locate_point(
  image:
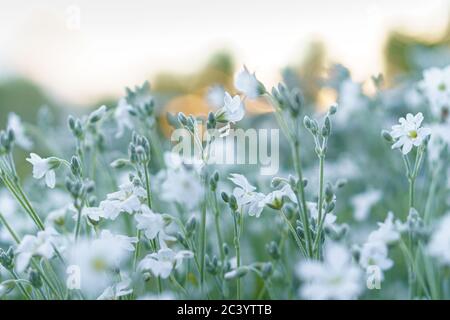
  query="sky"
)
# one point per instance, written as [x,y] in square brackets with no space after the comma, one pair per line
[82,50]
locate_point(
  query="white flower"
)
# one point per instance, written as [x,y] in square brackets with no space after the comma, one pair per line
[97,259]
[16,125]
[123,242]
[387,231]
[114,292]
[163,262]
[128,199]
[375,254]
[436,87]
[233,108]
[249,201]
[44,167]
[40,245]
[439,245]
[337,277]
[409,133]
[122,117]
[247,83]
[215,96]
[181,186]
[153,224]
[363,202]
[19,221]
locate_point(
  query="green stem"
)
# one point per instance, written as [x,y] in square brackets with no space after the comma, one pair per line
[21,287]
[203,236]
[238,253]
[218,232]
[294,233]
[300,193]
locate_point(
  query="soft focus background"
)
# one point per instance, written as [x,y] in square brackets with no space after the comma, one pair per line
[81,53]
[74,56]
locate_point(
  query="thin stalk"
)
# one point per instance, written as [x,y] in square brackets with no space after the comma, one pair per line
[217,224]
[238,254]
[294,233]
[300,193]
[203,237]
[21,287]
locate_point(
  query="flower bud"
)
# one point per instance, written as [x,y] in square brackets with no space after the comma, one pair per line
[225,197]
[119,163]
[273,250]
[97,115]
[237,273]
[35,279]
[387,136]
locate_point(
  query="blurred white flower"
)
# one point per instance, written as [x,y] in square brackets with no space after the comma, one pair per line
[41,245]
[215,96]
[409,132]
[44,167]
[122,117]
[249,201]
[233,109]
[436,87]
[16,125]
[351,99]
[20,222]
[439,245]
[387,231]
[375,254]
[363,203]
[128,199]
[162,263]
[181,186]
[152,224]
[98,259]
[336,277]
[440,137]
[114,292]
[123,242]
[247,83]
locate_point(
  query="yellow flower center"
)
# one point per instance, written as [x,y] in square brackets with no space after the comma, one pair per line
[413,134]
[442,87]
[98,264]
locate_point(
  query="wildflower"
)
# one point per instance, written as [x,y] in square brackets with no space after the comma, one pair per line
[128,199]
[97,259]
[164,261]
[233,109]
[439,245]
[436,87]
[375,254]
[114,292]
[40,245]
[215,96]
[387,231]
[247,83]
[15,124]
[337,277]
[122,117]
[44,167]
[249,201]
[152,223]
[409,132]
[363,202]
[182,186]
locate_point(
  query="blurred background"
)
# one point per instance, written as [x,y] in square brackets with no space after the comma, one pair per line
[75,54]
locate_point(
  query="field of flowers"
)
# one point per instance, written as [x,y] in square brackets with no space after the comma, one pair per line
[357,210]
